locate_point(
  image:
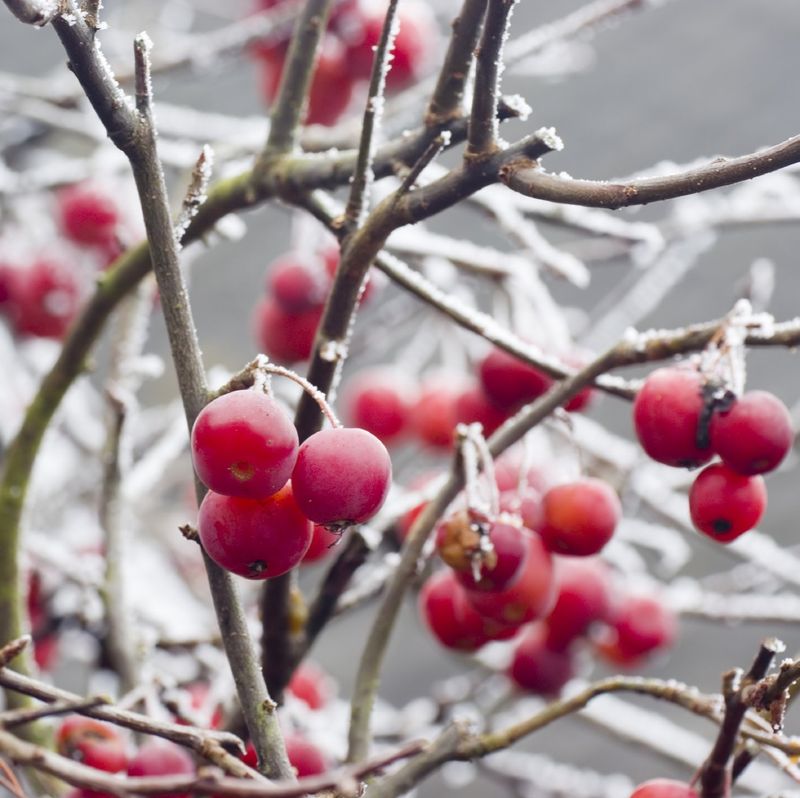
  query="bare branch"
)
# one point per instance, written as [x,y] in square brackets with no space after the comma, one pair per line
[32,12]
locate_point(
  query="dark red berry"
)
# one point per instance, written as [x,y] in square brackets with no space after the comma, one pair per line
[664,788]
[724,503]
[380,402]
[244,444]
[287,337]
[162,758]
[666,415]
[44,299]
[323,543]
[473,406]
[754,434]
[579,517]
[88,216]
[583,597]
[530,595]
[297,282]
[305,757]
[640,626]
[342,476]
[255,538]
[509,382]
[537,666]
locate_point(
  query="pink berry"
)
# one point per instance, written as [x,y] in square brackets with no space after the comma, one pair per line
[666,415]
[287,337]
[434,417]
[162,758]
[255,538]
[244,444]
[311,685]
[664,788]
[380,402]
[754,434]
[297,283]
[342,476]
[305,757]
[44,299]
[725,504]
[580,517]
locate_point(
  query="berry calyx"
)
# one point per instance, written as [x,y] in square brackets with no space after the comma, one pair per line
[244,444]
[724,503]
[754,434]
[342,476]
[579,517]
[254,538]
[666,416]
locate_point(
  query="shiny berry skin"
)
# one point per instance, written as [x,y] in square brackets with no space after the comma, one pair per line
[664,788]
[305,757]
[297,283]
[458,542]
[380,402]
[531,594]
[754,434]
[583,597]
[579,517]
[537,667]
[254,538]
[472,405]
[287,337]
[244,444]
[509,382]
[725,504]
[342,476]
[44,299]
[323,543]
[666,416]
[88,216]
[640,626]
[162,758]
[311,685]
[93,743]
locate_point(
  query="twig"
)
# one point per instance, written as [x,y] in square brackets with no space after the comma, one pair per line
[296,79]
[363,175]
[18,717]
[447,99]
[535,182]
[482,137]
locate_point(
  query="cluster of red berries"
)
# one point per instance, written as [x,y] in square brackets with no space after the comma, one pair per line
[388,403]
[265,489]
[683,420]
[297,284]
[103,747]
[42,299]
[507,579]
[347,51]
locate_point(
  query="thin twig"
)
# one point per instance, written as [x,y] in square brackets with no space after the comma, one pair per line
[18,717]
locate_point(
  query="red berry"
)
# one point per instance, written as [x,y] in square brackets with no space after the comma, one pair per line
[664,788]
[525,504]
[323,542]
[287,337]
[88,216]
[380,402]
[244,444]
[162,758]
[509,382]
[305,757]
[666,415]
[537,666]
[93,743]
[311,684]
[44,299]
[579,517]
[255,538]
[297,283]
[472,405]
[724,503]
[583,596]
[640,626]
[46,652]
[434,415]
[754,434]
[342,476]
[531,594]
